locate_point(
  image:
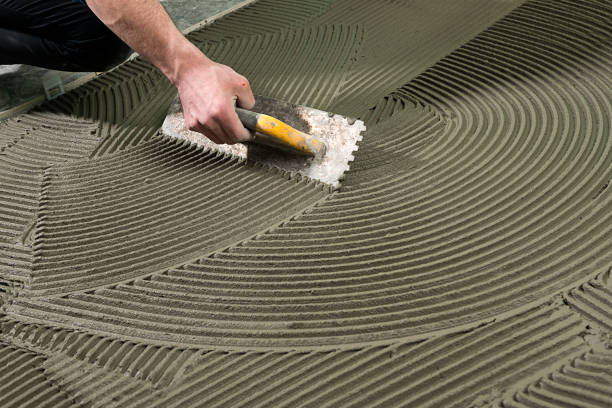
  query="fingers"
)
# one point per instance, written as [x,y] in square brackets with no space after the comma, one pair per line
[228,126]
[232,125]
[245,99]
[222,126]
[211,131]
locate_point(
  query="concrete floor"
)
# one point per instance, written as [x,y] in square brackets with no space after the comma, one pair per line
[22,83]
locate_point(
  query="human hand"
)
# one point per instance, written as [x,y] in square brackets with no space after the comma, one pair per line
[209,92]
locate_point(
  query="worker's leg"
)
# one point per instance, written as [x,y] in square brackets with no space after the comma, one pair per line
[57,34]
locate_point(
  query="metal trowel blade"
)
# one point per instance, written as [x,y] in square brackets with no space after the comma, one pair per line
[341,135]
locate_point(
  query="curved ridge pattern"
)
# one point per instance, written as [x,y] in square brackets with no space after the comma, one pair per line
[594,300]
[398,374]
[96,387]
[306,66]
[424,374]
[32,142]
[140,125]
[585,382]
[157,365]
[466,254]
[261,17]
[398,46]
[128,105]
[396,102]
[41,140]
[112,97]
[460,235]
[23,383]
[150,208]
[387,107]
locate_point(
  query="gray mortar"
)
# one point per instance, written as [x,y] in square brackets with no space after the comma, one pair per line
[465,261]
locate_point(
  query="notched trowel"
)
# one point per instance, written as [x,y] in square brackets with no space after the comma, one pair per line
[314,143]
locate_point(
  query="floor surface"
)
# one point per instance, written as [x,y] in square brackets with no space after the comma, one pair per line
[464,261]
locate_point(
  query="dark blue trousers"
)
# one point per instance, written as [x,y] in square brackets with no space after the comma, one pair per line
[57,34]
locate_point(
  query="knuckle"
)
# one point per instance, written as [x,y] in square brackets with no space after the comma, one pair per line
[215,111]
[192,124]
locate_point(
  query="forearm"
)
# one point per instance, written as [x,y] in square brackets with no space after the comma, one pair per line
[208,90]
[146,27]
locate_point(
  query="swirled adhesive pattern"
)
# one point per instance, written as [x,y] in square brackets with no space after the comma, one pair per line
[464,261]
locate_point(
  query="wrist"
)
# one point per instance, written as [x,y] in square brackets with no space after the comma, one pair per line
[183,61]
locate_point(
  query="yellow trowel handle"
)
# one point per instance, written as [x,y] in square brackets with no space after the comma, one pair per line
[281,133]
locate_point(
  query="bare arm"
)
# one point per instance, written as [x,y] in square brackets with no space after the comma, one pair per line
[208,90]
